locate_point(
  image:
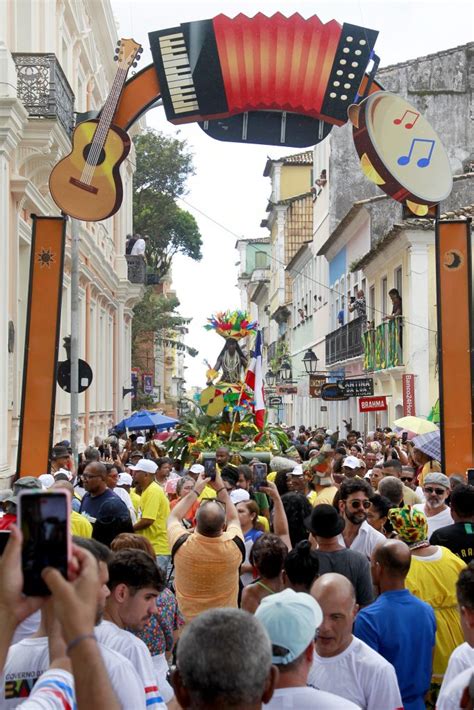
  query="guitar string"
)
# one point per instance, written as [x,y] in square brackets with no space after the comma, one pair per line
[104,122]
[102,130]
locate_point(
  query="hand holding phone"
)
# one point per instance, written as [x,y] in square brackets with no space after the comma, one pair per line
[44,521]
[210,468]
[259,475]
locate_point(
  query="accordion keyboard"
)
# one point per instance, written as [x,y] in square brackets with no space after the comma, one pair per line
[178,73]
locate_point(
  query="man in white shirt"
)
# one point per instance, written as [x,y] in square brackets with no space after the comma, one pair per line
[436,490]
[139,247]
[461,663]
[113,478]
[291,620]
[354,503]
[342,663]
[134,583]
[29,659]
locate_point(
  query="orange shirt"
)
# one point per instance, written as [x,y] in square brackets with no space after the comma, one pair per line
[191,514]
[206,570]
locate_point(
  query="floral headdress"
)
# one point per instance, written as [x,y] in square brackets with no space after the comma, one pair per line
[232,324]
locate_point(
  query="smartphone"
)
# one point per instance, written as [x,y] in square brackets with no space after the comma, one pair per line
[210,468]
[404,437]
[260,471]
[470,476]
[4,538]
[44,521]
[393,441]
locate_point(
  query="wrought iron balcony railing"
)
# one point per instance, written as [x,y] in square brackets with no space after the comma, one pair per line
[136,270]
[345,342]
[44,89]
[383,345]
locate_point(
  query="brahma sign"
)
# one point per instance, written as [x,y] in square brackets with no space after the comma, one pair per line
[372,404]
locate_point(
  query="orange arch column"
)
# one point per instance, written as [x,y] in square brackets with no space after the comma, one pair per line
[139,94]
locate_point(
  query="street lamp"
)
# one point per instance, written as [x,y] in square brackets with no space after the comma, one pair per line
[310,361]
[285,372]
[270,378]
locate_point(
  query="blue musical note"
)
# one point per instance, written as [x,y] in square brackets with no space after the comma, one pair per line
[421,162]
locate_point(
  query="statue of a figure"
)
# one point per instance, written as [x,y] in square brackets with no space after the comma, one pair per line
[231,361]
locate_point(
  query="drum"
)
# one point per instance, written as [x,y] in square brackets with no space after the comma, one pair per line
[400,151]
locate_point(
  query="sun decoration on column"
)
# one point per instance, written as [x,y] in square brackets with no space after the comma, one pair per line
[46,258]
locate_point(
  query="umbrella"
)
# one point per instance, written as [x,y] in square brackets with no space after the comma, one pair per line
[146,420]
[429,443]
[415,424]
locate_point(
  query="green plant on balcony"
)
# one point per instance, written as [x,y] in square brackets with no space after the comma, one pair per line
[282,354]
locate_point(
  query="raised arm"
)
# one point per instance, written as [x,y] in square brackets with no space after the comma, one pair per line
[185,504]
[280,521]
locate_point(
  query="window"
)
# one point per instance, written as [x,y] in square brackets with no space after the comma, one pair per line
[261,260]
[384,296]
[397,279]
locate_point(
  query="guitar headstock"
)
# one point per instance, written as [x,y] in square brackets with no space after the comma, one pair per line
[127,53]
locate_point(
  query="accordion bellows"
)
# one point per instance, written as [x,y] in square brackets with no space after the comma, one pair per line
[276,62]
[227,66]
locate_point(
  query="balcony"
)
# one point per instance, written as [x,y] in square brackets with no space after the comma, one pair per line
[136,269]
[383,346]
[43,88]
[345,342]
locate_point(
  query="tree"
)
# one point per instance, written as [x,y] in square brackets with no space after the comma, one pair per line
[163,166]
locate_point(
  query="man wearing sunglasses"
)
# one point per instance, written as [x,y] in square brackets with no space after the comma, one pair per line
[436,490]
[354,503]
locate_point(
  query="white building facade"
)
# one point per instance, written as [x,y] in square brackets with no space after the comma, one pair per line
[55,59]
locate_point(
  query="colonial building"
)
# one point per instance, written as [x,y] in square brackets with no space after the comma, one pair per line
[57,59]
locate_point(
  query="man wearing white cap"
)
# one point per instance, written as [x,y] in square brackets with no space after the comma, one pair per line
[291,619]
[153,511]
[352,467]
[113,484]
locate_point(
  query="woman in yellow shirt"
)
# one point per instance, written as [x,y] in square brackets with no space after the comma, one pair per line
[433,574]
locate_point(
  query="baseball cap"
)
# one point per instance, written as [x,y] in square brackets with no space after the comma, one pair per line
[352,462]
[59,452]
[239,495]
[437,479]
[290,619]
[46,480]
[196,468]
[141,440]
[145,465]
[297,471]
[124,479]
[66,472]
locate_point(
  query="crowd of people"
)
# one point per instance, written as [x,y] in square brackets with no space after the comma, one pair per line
[344,580]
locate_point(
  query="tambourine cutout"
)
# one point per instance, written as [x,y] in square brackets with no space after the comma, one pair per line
[400,151]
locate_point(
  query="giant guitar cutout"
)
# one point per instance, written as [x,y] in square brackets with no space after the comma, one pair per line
[86,183]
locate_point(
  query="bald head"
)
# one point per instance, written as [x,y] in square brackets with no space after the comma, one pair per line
[336,597]
[333,584]
[97,469]
[63,485]
[394,558]
[210,519]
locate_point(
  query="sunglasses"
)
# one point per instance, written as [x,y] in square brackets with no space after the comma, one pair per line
[406,479]
[438,491]
[359,504]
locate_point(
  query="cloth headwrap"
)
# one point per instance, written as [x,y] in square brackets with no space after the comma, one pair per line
[410,524]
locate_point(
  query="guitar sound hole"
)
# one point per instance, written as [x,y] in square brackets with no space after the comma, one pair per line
[86,152]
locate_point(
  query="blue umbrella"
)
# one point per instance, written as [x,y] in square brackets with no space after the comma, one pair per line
[146,420]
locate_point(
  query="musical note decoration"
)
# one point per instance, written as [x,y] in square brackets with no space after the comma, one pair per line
[421,162]
[408,124]
[415,172]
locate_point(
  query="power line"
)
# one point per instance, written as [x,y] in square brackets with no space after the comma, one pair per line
[294,271]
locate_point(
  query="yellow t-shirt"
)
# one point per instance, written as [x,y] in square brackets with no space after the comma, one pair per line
[208,492]
[434,581]
[271,476]
[206,570]
[80,526]
[135,498]
[154,505]
[326,495]
[312,496]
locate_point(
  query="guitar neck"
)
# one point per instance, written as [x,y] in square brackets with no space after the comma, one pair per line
[107,115]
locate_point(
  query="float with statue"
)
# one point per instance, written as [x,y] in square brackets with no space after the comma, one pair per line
[231,410]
